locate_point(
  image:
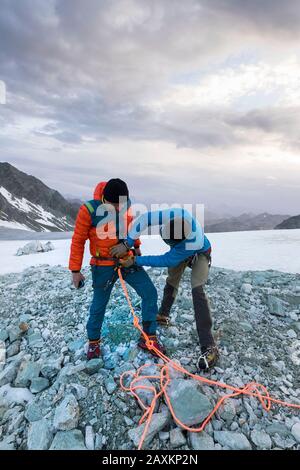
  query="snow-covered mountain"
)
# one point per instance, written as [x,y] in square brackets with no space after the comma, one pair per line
[27,203]
[290,223]
[246,222]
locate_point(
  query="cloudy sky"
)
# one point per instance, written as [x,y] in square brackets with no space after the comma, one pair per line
[189,101]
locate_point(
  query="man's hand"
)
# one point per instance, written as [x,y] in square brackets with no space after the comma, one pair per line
[118,250]
[77,277]
[138,252]
[127,262]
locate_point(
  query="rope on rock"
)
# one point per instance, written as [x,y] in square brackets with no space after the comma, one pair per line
[251,389]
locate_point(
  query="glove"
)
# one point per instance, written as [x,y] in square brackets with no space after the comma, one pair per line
[127,262]
[78,279]
[118,250]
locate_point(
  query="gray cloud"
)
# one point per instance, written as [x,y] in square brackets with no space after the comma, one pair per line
[283,122]
[86,70]
[89,67]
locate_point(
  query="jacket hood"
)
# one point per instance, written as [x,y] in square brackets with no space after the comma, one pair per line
[98,192]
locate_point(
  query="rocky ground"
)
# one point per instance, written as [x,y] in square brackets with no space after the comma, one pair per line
[50,397]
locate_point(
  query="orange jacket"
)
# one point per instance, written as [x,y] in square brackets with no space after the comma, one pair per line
[84,230]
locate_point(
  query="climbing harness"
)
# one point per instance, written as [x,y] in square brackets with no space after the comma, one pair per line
[251,389]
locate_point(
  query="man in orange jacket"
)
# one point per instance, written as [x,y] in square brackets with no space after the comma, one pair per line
[104,221]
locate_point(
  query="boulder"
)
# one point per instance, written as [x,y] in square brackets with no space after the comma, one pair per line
[177,438]
[158,422]
[19,396]
[39,384]
[201,441]
[34,247]
[9,374]
[68,440]
[276,306]
[296,432]
[66,414]
[190,405]
[233,440]
[261,439]
[27,372]
[39,435]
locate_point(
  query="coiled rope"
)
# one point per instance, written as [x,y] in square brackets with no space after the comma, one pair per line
[252,389]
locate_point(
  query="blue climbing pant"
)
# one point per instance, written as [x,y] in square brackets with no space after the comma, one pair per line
[104,278]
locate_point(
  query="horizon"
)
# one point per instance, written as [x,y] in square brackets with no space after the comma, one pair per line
[212,216]
[165,95]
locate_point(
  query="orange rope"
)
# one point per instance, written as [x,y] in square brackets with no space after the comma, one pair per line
[251,389]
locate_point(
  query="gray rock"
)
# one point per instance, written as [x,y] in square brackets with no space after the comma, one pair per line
[278,428]
[76,345]
[163,436]
[9,374]
[13,349]
[261,439]
[4,335]
[13,395]
[35,340]
[8,443]
[93,366]
[39,435]
[201,441]
[110,385]
[227,411]
[48,247]
[39,384]
[246,326]
[177,438]
[232,440]
[296,432]
[145,395]
[14,333]
[33,412]
[66,414]
[246,288]
[283,442]
[158,422]
[189,404]
[98,442]
[78,390]
[51,367]
[27,372]
[276,306]
[291,334]
[89,438]
[68,440]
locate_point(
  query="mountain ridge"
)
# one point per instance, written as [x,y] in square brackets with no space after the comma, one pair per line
[289,223]
[28,203]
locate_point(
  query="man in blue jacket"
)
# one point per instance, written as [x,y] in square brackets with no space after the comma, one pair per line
[189,247]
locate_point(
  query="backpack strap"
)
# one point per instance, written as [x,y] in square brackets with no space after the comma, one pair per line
[90,207]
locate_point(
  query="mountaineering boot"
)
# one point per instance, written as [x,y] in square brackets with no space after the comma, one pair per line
[142,344]
[166,305]
[208,358]
[93,350]
[163,320]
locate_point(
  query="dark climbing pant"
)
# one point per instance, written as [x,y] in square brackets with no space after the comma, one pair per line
[200,271]
[104,278]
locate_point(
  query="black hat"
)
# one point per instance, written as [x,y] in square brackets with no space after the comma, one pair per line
[114,189]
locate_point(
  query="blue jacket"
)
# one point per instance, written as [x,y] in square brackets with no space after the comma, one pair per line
[196,242]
